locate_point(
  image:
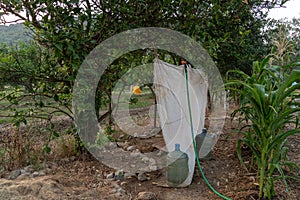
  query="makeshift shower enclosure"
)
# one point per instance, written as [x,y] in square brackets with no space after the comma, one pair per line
[172,102]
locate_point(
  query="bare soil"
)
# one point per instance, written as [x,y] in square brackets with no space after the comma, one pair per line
[83,177]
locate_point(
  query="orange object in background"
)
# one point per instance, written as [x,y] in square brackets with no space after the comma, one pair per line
[183,62]
[137,90]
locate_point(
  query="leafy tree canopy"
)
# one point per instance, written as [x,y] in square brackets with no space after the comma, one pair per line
[229,30]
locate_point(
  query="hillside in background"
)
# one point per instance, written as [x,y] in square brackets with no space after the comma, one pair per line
[13,33]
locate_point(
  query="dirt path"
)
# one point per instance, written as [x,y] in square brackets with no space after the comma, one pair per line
[84,177]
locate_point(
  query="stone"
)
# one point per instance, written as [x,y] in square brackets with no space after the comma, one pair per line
[146,196]
[131,148]
[142,177]
[119,177]
[121,191]
[35,174]
[14,174]
[23,176]
[110,175]
[42,173]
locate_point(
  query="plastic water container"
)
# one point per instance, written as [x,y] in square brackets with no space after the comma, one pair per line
[177,169]
[204,143]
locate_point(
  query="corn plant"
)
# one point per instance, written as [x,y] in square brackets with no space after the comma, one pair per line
[267,105]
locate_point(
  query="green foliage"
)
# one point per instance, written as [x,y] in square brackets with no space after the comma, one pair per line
[267,105]
[34,85]
[73,28]
[229,30]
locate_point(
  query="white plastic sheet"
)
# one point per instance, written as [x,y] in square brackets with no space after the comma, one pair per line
[171,94]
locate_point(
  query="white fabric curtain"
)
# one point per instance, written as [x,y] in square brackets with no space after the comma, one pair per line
[171,94]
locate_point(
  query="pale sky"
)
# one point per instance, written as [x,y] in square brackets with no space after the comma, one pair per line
[292,10]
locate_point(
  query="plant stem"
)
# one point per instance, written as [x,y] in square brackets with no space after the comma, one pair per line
[262,174]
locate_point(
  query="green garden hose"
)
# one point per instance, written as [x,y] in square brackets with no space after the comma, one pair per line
[194,143]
